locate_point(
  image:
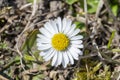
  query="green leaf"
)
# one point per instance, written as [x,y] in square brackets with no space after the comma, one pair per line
[80,25]
[110,40]
[30,1]
[39,77]
[92,5]
[31,38]
[70,2]
[3,45]
[29,58]
[97,67]
[114,9]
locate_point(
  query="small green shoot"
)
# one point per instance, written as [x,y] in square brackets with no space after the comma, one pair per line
[70,2]
[110,40]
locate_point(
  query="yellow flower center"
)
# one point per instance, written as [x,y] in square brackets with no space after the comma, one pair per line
[60,41]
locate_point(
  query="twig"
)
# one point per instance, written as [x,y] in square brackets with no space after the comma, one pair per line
[92,36]
[95,54]
[82,19]
[116,56]
[99,54]
[109,9]
[100,5]
[25,6]
[26,28]
[4,28]
[86,15]
[112,61]
[87,71]
[30,71]
[11,49]
[35,7]
[8,65]
[3,78]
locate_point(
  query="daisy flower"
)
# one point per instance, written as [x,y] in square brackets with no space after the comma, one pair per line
[60,42]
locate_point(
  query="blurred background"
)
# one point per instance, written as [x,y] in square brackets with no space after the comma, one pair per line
[98,20]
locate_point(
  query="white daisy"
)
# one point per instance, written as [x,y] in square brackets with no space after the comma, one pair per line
[59,40]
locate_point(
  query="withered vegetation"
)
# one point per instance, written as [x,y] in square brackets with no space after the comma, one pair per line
[99,24]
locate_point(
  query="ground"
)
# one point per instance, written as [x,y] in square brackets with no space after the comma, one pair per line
[98,20]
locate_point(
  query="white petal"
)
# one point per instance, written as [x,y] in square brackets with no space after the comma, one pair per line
[59,58]
[75,32]
[73,54]
[59,24]
[39,44]
[64,24]
[77,50]
[63,63]
[43,41]
[42,37]
[77,42]
[77,46]
[71,30]
[45,32]
[48,56]
[66,59]
[46,26]
[76,37]
[70,58]
[43,47]
[54,60]
[42,53]
[51,27]
[80,52]
[54,25]
[68,26]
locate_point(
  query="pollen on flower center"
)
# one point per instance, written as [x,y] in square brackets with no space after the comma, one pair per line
[60,41]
